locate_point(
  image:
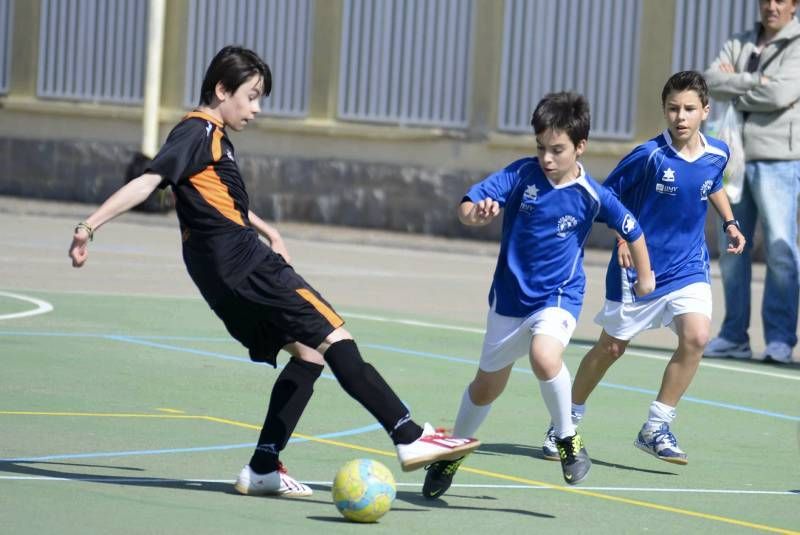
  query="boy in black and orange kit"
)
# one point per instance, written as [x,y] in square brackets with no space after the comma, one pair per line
[251,286]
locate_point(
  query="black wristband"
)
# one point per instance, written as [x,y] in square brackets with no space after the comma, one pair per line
[730,222]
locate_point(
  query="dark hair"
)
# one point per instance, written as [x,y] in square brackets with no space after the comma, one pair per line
[686,81]
[565,111]
[232,66]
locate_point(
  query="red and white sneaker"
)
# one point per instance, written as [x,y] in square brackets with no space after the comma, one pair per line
[433,446]
[277,483]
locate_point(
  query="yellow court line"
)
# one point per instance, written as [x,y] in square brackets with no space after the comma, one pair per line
[171,411]
[101,414]
[496,475]
[573,490]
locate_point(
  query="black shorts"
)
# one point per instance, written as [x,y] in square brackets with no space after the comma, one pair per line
[274,306]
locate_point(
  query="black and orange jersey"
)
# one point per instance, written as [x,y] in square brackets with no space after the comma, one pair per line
[219,245]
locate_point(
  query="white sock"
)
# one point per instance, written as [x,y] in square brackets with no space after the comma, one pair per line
[470,416]
[557,395]
[660,413]
[577,413]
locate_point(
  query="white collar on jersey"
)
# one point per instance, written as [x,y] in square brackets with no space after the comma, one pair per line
[581,175]
[703,141]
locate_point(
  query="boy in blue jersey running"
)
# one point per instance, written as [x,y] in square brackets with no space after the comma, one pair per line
[549,205]
[667,183]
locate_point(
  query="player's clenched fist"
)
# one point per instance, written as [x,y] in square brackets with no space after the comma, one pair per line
[78,250]
[487,209]
[478,213]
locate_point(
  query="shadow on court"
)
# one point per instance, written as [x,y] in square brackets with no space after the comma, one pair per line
[414,499]
[536,452]
[423,504]
[35,469]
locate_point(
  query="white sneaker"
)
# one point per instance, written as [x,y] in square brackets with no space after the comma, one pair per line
[778,352]
[277,483]
[432,447]
[721,347]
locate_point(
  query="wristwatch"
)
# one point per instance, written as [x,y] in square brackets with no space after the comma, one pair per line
[730,222]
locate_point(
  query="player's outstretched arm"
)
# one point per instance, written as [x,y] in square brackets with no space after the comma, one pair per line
[736,240]
[271,234]
[645,278]
[125,198]
[477,214]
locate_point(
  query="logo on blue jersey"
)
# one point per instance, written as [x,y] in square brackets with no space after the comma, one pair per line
[229,154]
[705,189]
[529,196]
[666,189]
[531,193]
[566,223]
[628,224]
[669,175]
[209,126]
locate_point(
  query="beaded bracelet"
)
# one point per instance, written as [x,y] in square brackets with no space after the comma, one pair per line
[85,226]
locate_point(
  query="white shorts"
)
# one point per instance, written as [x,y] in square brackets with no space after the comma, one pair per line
[623,321]
[507,339]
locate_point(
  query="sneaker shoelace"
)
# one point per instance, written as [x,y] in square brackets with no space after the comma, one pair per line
[569,452]
[664,435]
[447,468]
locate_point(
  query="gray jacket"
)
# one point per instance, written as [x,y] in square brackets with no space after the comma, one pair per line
[772,125]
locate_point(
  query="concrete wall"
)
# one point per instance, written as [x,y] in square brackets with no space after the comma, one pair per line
[316,169]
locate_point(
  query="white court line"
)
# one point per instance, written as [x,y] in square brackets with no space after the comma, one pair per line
[634,352]
[413,323]
[454,485]
[42,307]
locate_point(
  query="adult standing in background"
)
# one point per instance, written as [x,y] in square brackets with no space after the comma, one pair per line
[760,71]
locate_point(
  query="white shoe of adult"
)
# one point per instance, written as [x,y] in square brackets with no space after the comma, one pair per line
[433,446]
[277,483]
[778,352]
[721,347]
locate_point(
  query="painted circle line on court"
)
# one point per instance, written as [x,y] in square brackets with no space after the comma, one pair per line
[42,307]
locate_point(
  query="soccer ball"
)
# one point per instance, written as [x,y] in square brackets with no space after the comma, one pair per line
[363,490]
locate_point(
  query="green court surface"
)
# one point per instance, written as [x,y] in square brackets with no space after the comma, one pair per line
[133,414]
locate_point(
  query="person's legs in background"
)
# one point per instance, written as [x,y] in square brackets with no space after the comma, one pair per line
[775,186]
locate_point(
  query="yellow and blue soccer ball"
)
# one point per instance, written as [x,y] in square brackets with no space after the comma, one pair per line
[363,490]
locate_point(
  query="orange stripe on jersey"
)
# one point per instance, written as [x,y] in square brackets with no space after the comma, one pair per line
[201,115]
[216,145]
[321,307]
[210,186]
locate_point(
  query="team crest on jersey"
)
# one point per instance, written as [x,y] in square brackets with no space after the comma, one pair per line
[209,126]
[669,175]
[566,223]
[229,154]
[628,224]
[705,189]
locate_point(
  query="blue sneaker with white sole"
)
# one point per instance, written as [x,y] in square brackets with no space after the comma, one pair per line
[660,443]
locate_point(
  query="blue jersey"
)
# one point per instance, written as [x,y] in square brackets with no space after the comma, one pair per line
[668,194]
[544,229]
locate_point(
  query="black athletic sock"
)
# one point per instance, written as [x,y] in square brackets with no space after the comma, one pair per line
[365,385]
[289,398]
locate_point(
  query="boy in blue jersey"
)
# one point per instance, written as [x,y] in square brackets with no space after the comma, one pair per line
[667,183]
[549,205]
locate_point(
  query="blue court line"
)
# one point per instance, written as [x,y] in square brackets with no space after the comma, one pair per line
[690,399]
[349,432]
[423,354]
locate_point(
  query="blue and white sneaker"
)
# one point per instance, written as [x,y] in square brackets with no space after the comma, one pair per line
[661,443]
[549,450]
